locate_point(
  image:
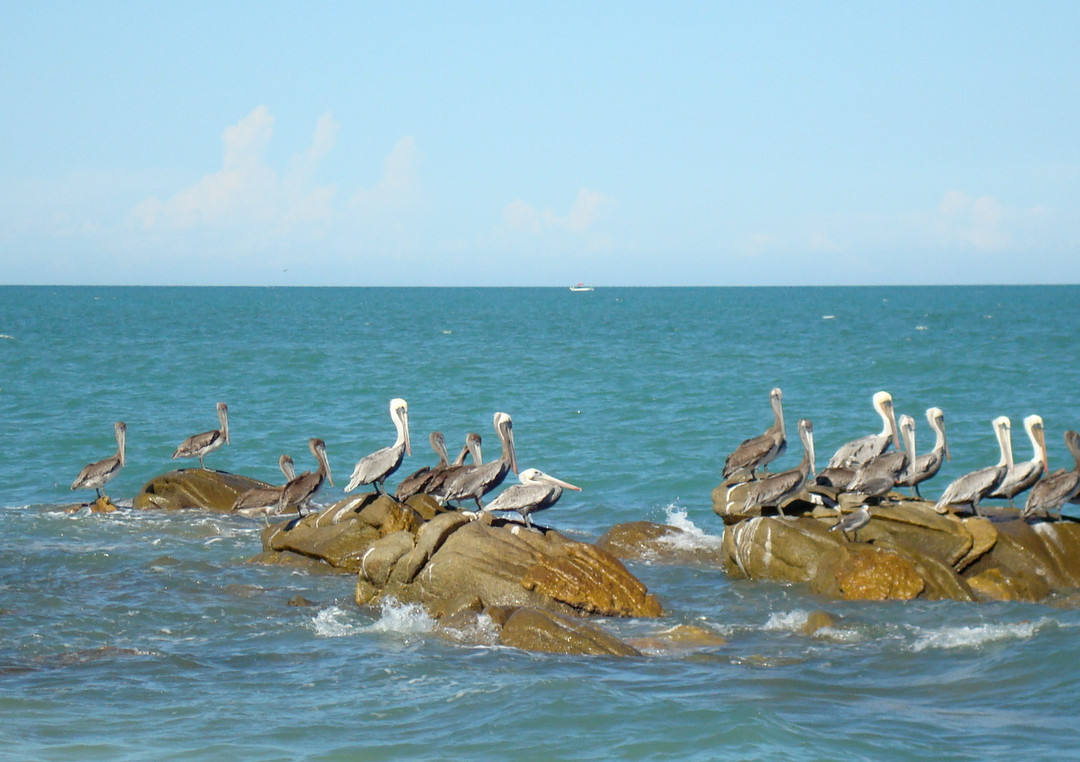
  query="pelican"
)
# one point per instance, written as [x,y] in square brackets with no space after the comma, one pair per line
[437,486]
[536,492]
[973,487]
[853,522]
[761,450]
[858,451]
[777,488]
[201,445]
[474,482]
[1058,488]
[374,468]
[1025,474]
[300,490]
[883,472]
[262,499]
[414,482]
[927,466]
[95,475]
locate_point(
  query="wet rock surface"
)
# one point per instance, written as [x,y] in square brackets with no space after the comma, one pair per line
[194,488]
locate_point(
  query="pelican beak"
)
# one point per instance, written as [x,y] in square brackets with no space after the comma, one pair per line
[561,483]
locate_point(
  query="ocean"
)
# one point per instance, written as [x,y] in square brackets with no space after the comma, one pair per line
[146,635]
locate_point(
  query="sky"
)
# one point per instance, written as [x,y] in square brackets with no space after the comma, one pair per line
[539,144]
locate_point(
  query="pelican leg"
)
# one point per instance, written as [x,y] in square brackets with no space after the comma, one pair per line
[480,505]
[528,521]
[915,489]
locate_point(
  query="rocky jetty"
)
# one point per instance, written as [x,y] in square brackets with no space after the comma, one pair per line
[906,550]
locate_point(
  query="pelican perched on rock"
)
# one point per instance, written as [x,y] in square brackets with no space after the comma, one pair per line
[776,489]
[95,475]
[373,469]
[201,445]
[1058,488]
[927,466]
[858,451]
[438,481]
[881,473]
[474,482]
[414,483]
[536,492]
[1025,474]
[300,490]
[761,450]
[971,488]
[262,499]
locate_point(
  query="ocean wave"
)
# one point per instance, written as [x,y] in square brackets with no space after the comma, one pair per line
[976,636]
[395,617]
[691,537]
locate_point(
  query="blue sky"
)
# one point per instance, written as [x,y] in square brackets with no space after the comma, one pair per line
[450,143]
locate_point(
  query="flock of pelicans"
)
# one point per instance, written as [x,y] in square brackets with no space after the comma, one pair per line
[864,467]
[445,481]
[867,468]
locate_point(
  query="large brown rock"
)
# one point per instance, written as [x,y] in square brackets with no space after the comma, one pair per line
[194,488]
[539,630]
[908,550]
[396,553]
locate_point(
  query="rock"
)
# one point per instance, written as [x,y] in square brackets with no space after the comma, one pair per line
[300,601]
[294,561]
[538,630]
[679,639]
[194,488]
[436,562]
[819,620]
[661,543]
[102,505]
[874,574]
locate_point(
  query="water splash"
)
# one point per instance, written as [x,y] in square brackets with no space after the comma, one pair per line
[691,537]
[976,636]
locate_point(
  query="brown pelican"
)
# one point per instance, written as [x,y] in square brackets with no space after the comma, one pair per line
[926,466]
[300,490]
[774,490]
[880,474]
[1058,488]
[476,481]
[853,522]
[973,487]
[414,483]
[437,485]
[95,475]
[263,499]
[858,451]
[536,492]
[201,445]
[1025,474]
[761,450]
[374,468]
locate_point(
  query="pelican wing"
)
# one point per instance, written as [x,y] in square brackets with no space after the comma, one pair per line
[770,490]
[859,451]
[199,443]
[377,466]
[972,486]
[754,453]
[526,498]
[96,474]
[1024,476]
[1052,492]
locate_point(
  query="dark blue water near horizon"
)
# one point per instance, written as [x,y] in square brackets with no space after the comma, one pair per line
[138,635]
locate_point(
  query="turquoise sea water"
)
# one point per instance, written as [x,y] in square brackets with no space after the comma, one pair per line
[146,635]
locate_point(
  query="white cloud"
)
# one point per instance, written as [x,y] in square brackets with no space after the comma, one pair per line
[522,222]
[974,223]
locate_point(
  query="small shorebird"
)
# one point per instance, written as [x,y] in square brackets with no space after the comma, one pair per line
[853,522]
[95,475]
[201,445]
[374,468]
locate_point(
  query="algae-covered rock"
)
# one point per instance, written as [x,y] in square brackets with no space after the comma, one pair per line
[194,488]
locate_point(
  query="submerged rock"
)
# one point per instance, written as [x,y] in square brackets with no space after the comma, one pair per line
[661,543]
[194,488]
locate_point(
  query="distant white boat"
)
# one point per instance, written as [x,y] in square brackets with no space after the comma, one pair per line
[581,287]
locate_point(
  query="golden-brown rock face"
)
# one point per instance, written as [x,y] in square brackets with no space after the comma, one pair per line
[396,553]
[907,550]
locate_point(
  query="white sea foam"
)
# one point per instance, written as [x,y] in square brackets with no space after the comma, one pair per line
[976,636]
[334,622]
[691,537]
[405,618]
[787,621]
